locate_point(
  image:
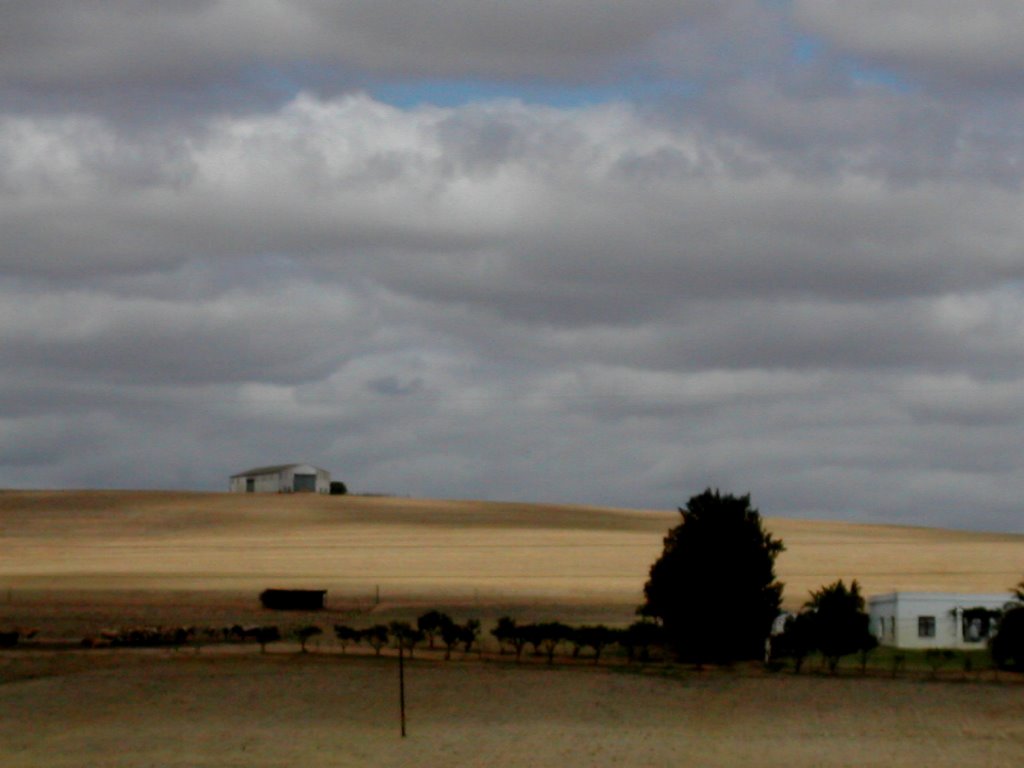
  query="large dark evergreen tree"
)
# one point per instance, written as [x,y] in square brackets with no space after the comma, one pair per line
[714,586]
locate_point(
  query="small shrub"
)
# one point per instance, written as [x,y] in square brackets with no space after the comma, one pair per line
[639,638]
[376,637]
[451,635]
[1007,646]
[470,633]
[551,634]
[899,661]
[264,636]
[597,637]
[304,634]
[346,635]
[504,632]
[405,636]
[431,623]
[937,658]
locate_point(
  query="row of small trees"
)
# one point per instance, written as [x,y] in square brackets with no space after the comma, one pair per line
[546,637]
[432,627]
[438,630]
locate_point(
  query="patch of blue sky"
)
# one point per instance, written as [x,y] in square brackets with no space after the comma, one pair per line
[407,94]
[886,78]
[808,50]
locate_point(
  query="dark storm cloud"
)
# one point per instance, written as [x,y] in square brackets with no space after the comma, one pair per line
[563,39]
[290,335]
[945,42]
[99,45]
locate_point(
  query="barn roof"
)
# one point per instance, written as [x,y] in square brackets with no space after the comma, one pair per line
[272,470]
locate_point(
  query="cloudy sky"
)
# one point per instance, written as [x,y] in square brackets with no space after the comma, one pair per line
[572,251]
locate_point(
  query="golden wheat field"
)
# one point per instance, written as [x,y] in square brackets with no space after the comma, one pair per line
[351,545]
[72,563]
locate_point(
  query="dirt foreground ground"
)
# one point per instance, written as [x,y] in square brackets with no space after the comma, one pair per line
[161,708]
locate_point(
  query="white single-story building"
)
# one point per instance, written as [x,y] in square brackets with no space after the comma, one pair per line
[935,619]
[283,478]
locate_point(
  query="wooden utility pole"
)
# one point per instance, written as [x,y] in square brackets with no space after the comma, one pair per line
[401,681]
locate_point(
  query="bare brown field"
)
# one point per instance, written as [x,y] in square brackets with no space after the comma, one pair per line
[162,709]
[72,563]
[416,549]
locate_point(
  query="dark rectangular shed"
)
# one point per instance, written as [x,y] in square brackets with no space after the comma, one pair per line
[293,599]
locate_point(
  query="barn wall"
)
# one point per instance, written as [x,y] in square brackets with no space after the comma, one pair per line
[323,477]
[283,481]
[323,481]
[272,483]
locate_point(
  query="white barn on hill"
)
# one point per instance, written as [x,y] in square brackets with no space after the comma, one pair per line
[282,478]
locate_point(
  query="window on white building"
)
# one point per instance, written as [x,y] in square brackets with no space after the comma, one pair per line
[926,626]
